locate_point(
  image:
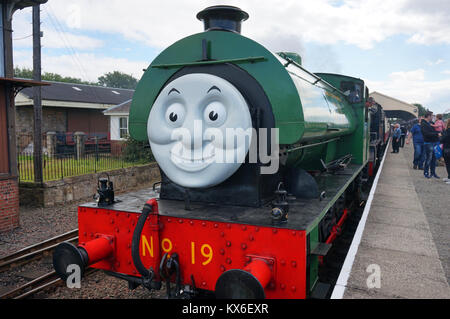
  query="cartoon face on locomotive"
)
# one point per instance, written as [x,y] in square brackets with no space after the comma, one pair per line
[188,125]
[248,144]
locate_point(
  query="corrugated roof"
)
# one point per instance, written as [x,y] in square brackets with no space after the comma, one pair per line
[72,92]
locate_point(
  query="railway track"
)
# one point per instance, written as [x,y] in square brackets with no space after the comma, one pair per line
[31,253]
[36,251]
[45,281]
[48,281]
[335,258]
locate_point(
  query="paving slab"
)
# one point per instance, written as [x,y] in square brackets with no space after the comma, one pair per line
[407,192]
[398,186]
[356,293]
[405,235]
[398,238]
[434,196]
[412,218]
[399,272]
[396,201]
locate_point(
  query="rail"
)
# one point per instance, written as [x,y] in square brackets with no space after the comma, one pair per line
[44,282]
[36,251]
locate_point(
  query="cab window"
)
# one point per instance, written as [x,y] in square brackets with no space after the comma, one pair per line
[352,90]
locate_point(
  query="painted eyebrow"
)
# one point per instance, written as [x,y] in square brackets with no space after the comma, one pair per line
[174,90]
[213,88]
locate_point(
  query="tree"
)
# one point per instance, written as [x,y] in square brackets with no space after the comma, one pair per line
[25,73]
[118,79]
[114,79]
[422,109]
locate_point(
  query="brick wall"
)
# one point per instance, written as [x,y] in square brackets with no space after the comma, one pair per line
[117,147]
[9,204]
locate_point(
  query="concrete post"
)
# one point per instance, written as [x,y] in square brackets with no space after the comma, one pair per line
[51,143]
[79,144]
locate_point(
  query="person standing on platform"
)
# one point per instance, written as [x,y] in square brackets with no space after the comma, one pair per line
[396,138]
[445,140]
[430,138]
[403,135]
[439,125]
[419,153]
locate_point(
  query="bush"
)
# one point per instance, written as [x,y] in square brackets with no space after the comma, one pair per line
[137,151]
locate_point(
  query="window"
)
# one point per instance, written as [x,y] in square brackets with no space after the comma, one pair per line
[353,91]
[123,127]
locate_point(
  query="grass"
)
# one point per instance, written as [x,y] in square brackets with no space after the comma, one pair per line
[55,168]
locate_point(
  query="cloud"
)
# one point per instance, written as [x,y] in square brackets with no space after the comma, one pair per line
[437,62]
[360,23]
[55,36]
[413,87]
[280,25]
[87,66]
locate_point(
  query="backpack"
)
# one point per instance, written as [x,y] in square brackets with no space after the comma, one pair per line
[438,150]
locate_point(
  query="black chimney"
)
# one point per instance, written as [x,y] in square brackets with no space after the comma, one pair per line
[226,18]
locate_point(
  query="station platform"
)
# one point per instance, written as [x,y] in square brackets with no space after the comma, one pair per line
[401,248]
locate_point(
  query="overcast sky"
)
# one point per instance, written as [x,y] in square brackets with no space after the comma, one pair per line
[400,48]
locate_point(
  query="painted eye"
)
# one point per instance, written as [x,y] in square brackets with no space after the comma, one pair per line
[175,114]
[173,117]
[215,114]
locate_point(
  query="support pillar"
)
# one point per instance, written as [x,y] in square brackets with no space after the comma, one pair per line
[79,144]
[51,143]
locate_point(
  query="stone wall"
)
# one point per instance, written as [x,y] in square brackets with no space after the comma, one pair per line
[85,186]
[53,119]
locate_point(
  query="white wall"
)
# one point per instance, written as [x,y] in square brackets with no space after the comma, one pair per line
[114,127]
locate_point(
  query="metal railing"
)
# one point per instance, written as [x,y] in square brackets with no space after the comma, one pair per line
[64,161]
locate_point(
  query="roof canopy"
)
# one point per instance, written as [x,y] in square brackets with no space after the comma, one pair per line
[22,82]
[13,5]
[395,108]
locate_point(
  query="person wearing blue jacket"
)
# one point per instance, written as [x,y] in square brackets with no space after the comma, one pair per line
[396,138]
[419,151]
[431,138]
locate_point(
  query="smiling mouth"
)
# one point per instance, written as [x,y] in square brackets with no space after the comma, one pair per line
[191,164]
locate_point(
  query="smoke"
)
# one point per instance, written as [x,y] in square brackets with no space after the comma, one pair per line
[315,58]
[279,41]
[322,58]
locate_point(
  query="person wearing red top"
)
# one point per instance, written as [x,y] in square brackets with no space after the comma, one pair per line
[439,125]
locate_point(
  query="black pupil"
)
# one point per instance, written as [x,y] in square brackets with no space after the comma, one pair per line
[213,116]
[173,117]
